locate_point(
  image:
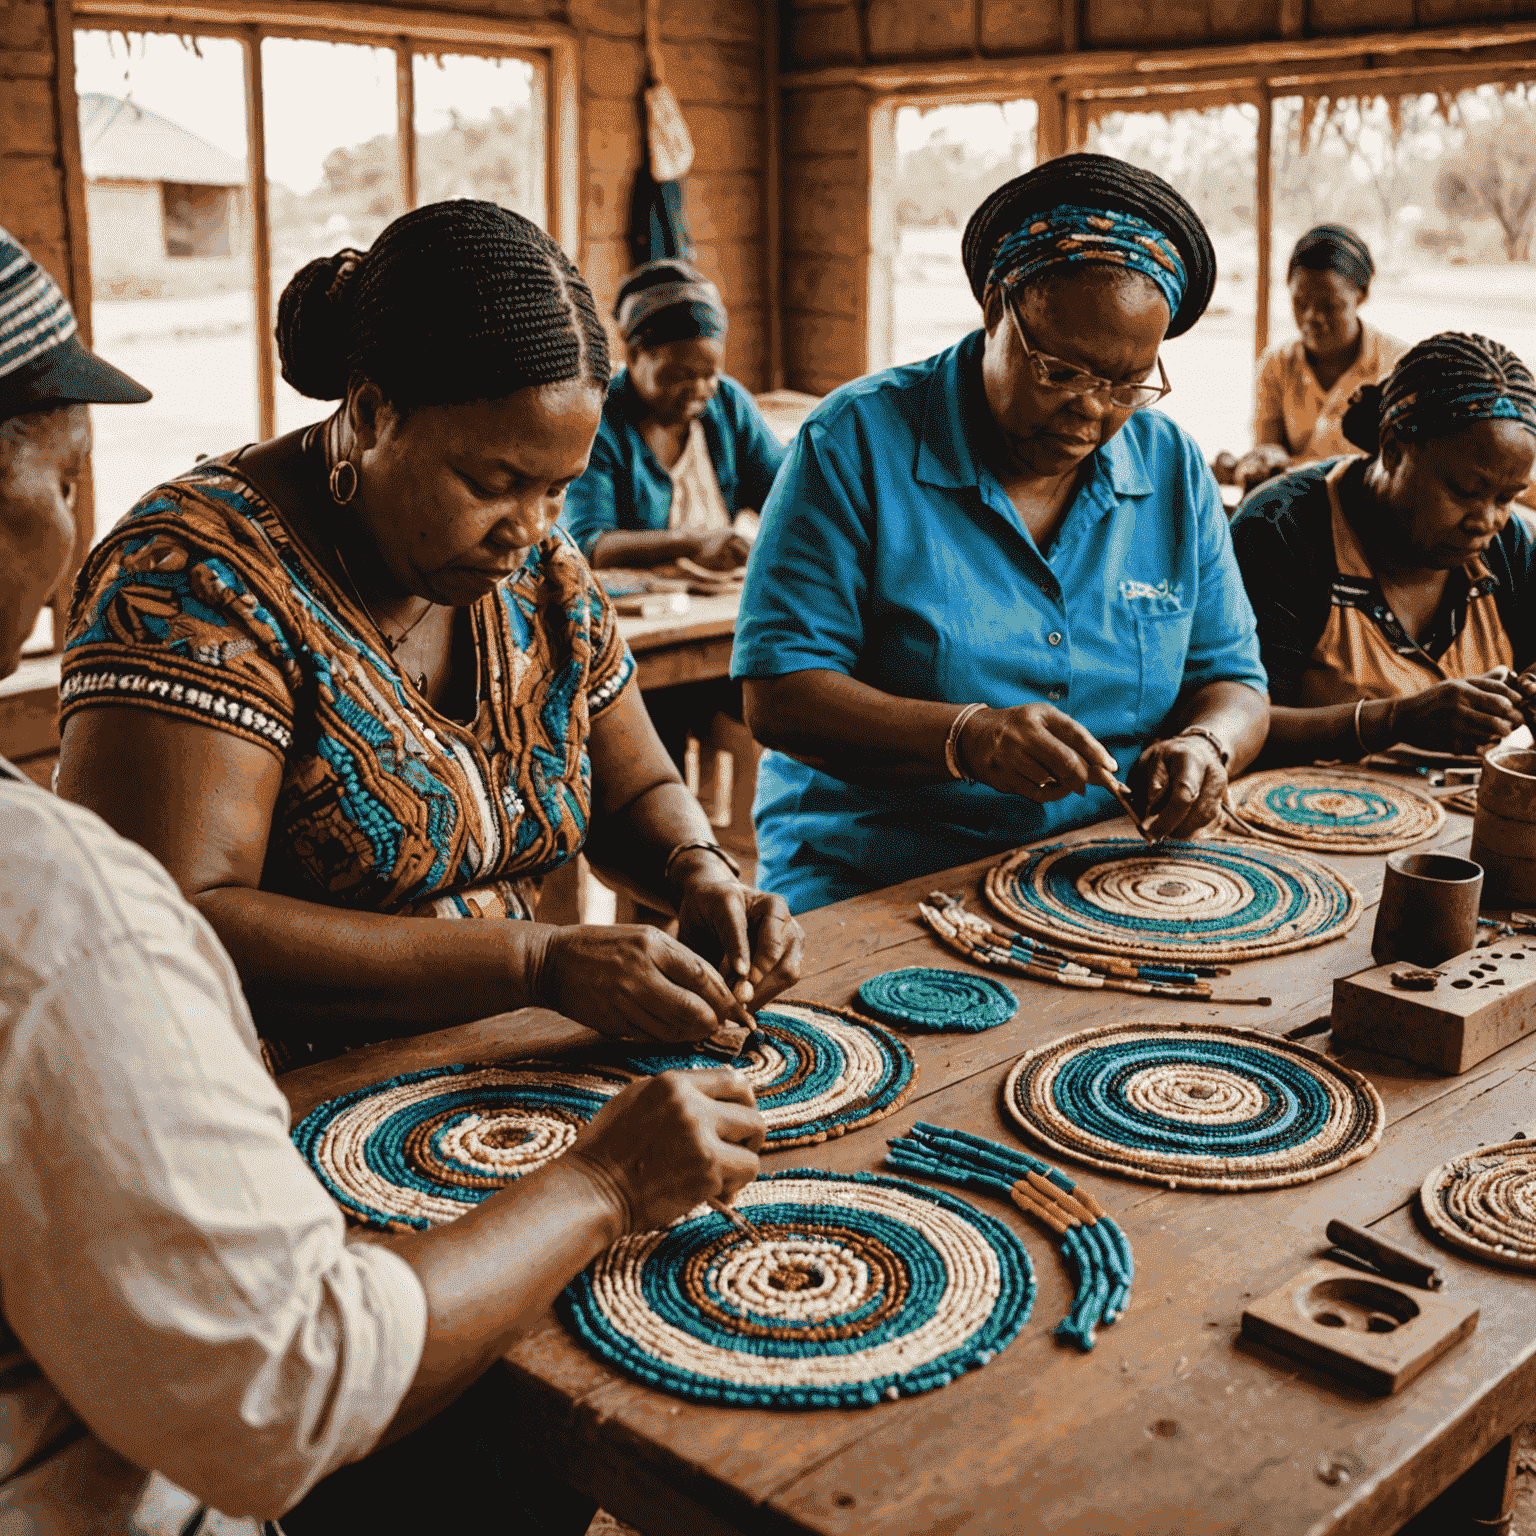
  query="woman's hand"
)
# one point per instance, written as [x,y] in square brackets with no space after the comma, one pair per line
[634,982]
[722,550]
[1033,750]
[1181,781]
[666,1143]
[750,935]
[1459,716]
[1260,464]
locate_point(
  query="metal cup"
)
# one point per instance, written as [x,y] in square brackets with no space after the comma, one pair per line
[1428,908]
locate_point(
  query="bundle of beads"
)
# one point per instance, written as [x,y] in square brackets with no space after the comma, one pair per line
[817,1071]
[863,1288]
[1195,1106]
[1485,1203]
[1000,949]
[925,997]
[1330,810]
[1093,1244]
[1209,902]
[423,1148]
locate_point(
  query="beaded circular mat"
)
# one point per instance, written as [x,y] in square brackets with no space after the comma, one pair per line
[866,1287]
[422,1148]
[1485,1202]
[927,997]
[1332,811]
[816,1070]
[1199,902]
[1195,1106]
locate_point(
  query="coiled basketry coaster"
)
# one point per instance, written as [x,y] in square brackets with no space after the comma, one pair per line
[1485,1203]
[931,998]
[817,1071]
[1331,811]
[866,1287]
[1195,1106]
[1200,902]
[423,1148]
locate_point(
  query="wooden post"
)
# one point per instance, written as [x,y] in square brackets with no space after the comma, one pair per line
[1293,18]
[405,106]
[773,197]
[261,237]
[1263,216]
[1050,127]
[1071,25]
[77,235]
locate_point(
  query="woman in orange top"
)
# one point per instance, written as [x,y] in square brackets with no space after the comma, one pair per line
[1394,592]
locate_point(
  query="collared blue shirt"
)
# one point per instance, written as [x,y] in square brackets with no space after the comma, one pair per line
[889,552]
[625,485]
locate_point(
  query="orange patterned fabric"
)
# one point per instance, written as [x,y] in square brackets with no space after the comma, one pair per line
[201,604]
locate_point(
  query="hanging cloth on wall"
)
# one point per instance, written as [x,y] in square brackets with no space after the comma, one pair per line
[658,226]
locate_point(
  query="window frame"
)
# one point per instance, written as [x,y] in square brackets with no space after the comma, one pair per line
[407,33]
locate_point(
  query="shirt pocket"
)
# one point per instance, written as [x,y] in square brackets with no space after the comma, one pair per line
[1162,645]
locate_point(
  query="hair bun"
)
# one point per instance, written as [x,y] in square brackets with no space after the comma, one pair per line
[1362,421]
[314,326]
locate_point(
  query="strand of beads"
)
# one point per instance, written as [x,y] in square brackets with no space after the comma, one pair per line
[999,949]
[1092,1242]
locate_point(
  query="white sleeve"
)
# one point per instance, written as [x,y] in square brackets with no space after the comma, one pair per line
[166,1256]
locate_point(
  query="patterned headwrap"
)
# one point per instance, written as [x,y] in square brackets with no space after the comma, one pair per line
[1334,248]
[1066,236]
[668,300]
[1086,207]
[1440,386]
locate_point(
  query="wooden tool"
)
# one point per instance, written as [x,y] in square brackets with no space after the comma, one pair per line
[736,1219]
[1394,1262]
[1122,793]
[1377,1333]
[1484,1000]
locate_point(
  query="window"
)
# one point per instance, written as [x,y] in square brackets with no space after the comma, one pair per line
[355,128]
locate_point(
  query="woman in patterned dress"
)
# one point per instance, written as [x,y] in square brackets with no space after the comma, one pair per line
[356,675]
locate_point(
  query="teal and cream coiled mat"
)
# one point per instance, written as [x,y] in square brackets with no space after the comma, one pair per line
[1330,810]
[421,1148]
[1181,905]
[1195,1106]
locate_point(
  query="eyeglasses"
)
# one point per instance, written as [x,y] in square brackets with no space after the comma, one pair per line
[1053,373]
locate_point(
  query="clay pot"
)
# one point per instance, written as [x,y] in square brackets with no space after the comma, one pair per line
[1504,830]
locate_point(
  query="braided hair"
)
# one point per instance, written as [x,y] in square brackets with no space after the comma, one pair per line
[1101,182]
[1334,248]
[1441,385]
[456,301]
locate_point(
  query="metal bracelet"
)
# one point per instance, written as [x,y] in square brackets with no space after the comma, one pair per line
[682,848]
[1223,751]
[1359,739]
[952,742]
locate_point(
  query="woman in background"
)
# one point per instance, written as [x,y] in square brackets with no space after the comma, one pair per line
[1305,385]
[1395,592]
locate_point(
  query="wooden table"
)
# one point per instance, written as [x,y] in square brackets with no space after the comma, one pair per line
[688,648]
[1173,1424]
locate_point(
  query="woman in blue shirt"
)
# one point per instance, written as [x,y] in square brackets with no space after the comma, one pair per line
[682,447]
[986,581]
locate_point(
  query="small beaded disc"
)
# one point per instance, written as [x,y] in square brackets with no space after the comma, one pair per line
[1485,1202]
[1331,811]
[867,1287]
[1195,1106]
[1196,903]
[927,997]
[817,1071]
[421,1149]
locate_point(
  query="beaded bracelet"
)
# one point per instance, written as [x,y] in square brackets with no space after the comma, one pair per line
[952,742]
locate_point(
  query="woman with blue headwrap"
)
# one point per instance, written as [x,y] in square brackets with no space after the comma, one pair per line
[987,581]
[1395,592]
[682,447]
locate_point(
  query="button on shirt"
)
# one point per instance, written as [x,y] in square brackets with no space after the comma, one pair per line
[176,1288]
[889,552]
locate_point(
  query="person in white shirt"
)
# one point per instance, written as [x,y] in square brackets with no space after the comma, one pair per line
[184,1327]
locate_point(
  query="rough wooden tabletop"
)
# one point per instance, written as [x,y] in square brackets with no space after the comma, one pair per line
[1173,1424]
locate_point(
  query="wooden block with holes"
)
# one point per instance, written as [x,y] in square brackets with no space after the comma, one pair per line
[1377,1333]
[1483,1001]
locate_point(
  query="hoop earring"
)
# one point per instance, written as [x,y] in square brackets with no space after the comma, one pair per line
[343,482]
